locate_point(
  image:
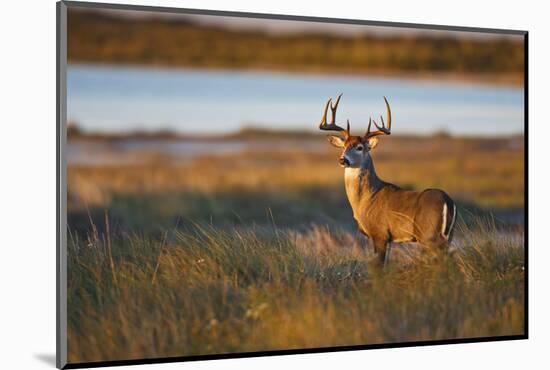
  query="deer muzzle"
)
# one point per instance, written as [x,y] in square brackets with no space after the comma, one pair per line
[343,161]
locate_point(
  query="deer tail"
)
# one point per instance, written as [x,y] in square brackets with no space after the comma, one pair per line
[448,219]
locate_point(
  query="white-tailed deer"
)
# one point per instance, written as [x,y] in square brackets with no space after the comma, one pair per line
[384,212]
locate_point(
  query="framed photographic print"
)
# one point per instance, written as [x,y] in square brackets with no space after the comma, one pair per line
[236,184]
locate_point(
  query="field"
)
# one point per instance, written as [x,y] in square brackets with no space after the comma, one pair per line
[257,250]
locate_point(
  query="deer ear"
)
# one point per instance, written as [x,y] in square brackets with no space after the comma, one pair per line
[372,142]
[336,141]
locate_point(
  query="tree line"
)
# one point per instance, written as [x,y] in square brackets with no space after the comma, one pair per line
[104,38]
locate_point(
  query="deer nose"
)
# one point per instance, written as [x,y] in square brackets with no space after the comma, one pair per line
[343,161]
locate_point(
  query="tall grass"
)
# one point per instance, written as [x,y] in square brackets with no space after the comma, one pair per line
[201,289]
[258,251]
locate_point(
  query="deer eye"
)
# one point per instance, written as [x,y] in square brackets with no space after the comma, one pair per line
[359,148]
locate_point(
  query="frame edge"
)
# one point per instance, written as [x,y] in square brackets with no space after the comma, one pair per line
[61,188]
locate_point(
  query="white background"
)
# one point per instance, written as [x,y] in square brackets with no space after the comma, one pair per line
[27,193]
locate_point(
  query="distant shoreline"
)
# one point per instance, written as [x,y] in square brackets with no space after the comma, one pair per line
[251,133]
[107,38]
[509,80]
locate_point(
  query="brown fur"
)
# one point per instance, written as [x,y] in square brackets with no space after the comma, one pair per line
[386,213]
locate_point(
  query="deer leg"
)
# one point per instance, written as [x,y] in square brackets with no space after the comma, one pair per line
[380,248]
[364,247]
[388,252]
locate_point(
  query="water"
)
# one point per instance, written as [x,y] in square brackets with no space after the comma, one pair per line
[136,151]
[114,99]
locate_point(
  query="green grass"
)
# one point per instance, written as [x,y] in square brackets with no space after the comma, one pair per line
[202,290]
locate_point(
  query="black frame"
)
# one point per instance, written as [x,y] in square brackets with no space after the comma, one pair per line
[61,189]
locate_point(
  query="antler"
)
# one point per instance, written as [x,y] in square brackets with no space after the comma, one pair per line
[381,130]
[323,125]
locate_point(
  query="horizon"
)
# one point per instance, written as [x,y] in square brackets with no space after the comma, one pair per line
[247,131]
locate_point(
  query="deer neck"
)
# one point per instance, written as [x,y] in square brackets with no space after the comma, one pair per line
[361,183]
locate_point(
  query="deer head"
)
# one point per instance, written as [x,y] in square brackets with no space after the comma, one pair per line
[355,149]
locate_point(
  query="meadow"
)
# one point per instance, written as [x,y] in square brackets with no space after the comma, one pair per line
[257,250]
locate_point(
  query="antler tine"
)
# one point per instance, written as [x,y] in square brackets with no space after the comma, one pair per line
[383,127]
[388,112]
[334,107]
[382,130]
[332,126]
[324,118]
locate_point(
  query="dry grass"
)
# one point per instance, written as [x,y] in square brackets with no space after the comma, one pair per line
[258,251]
[488,173]
[204,290]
